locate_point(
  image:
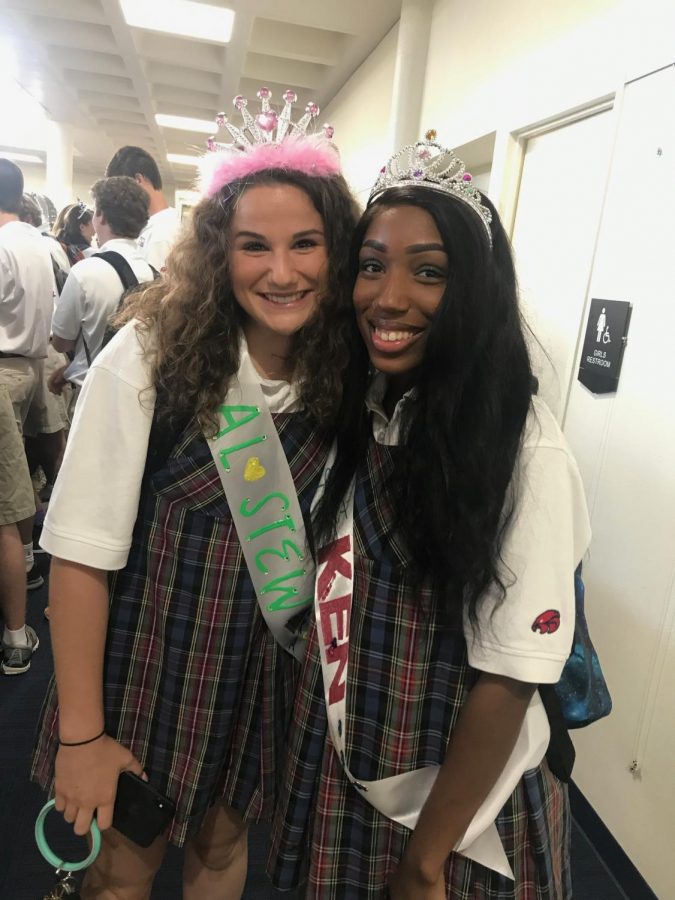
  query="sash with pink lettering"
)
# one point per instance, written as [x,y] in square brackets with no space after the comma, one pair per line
[399,797]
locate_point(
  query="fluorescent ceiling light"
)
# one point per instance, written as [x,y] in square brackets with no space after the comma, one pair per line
[182,159]
[184,123]
[183,17]
[21,157]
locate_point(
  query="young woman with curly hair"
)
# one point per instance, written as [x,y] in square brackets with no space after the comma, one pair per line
[200,438]
[445,592]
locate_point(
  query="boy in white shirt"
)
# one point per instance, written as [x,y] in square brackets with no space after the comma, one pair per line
[26,295]
[93,290]
[26,300]
[163,227]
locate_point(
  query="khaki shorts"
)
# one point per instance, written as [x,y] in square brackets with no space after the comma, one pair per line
[48,412]
[16,490]
[20,376]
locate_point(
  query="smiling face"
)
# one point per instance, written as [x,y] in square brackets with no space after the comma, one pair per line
[278,263]
[402,275]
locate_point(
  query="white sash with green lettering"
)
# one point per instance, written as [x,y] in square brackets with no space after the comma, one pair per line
[266,512]
[401,797]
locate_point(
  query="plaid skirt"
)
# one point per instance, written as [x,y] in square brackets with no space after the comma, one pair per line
[194,683]
[408,680]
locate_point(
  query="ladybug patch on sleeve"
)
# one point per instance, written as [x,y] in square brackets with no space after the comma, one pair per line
[547,622]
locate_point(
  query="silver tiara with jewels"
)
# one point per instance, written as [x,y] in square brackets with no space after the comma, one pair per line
[429,165]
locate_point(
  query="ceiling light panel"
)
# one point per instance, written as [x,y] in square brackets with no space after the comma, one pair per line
[21,157]
[182,17]
[184,123]
[183,159]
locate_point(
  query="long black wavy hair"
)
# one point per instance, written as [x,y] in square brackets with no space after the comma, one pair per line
[454,483]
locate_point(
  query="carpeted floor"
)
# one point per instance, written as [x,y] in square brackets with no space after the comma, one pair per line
[24,875]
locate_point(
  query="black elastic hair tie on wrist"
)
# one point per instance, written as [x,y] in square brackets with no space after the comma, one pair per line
[80,743]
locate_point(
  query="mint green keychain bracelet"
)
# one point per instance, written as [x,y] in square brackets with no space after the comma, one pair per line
[66,885]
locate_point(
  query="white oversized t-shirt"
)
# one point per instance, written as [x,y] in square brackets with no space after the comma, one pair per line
[94,503]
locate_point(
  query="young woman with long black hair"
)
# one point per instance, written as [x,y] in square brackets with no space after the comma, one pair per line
[452,522]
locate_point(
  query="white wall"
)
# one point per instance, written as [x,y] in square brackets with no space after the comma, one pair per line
[501,66]
[507,65]
[34,178]
[360,114]
[82,183]
[553,242]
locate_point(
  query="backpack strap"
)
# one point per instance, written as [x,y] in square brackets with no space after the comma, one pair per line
[560,754]
[59,276]
[129,281]
[121,266]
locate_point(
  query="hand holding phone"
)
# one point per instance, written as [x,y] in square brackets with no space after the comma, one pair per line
[141,812]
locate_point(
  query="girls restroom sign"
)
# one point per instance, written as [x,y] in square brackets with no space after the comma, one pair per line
[605,341]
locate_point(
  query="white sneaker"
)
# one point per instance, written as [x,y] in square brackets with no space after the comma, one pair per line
[16,660]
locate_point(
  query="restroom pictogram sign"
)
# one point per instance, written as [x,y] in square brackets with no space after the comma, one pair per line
[604,344]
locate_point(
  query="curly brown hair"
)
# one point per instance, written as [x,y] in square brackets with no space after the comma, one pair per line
[196,322]
[124,204]
[30,212]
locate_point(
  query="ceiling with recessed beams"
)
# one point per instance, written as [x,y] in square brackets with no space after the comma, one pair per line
[87,67]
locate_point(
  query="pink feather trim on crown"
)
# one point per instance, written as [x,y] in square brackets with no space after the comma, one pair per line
[314,156]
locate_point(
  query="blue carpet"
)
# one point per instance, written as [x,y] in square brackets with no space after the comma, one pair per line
[24,875]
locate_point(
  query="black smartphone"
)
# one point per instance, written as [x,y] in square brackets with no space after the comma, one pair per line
[141,812]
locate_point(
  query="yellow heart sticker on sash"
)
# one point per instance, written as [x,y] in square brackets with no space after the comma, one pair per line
[254,470]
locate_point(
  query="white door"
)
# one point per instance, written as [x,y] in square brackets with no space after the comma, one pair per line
[624,442]
[559,202]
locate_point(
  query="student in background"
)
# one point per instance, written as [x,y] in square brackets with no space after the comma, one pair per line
[74,230]
[47,420]
[94,287]
[27,291]
[19,641]
[29,212]
[163,227]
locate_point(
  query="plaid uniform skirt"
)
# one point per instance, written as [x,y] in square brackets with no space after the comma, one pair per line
[408,680]
[194,683]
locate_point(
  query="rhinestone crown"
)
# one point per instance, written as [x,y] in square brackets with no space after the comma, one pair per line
[429,165]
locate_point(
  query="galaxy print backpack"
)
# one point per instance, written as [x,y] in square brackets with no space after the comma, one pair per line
[582,689]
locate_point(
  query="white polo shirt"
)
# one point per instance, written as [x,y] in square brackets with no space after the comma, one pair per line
[89,298]
[529,636]
[94,503]
[27,291]
[159,236]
